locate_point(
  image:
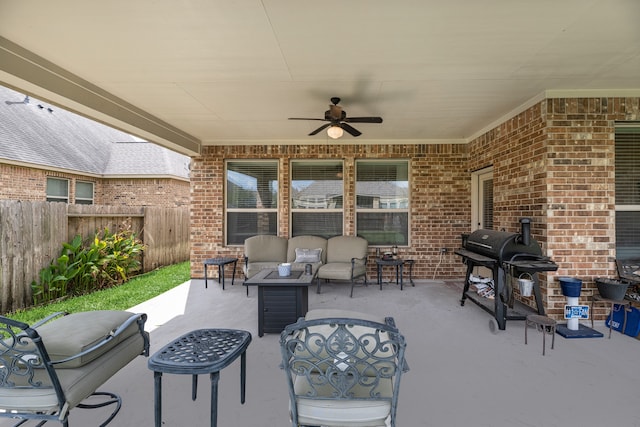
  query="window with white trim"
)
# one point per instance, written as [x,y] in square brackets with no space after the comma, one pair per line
[251,199]
[627,190]
[57,190]
[382,201]
[84,193]
[317,190]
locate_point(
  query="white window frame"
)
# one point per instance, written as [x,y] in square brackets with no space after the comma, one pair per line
[318,204]
[228,210]
[478,198]
[393,210]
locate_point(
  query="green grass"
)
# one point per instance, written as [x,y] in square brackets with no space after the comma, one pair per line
[137,290]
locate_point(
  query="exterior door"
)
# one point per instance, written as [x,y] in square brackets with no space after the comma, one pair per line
[482,200]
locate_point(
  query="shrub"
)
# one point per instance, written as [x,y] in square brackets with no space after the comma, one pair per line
[107,260]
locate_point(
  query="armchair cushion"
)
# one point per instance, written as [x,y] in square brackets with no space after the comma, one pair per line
[76,383]
[343,248]
[263,251]
[265,247]
[47,389]
[354,413]
[77,332]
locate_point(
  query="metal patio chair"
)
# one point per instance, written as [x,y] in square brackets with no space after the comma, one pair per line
[342,371]
[51,367]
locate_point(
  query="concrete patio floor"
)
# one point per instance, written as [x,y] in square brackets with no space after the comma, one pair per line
[461,374]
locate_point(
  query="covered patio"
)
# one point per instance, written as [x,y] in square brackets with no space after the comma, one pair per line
[461,374]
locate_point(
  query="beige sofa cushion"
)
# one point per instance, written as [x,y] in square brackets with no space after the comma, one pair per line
[267,248]
[343,248]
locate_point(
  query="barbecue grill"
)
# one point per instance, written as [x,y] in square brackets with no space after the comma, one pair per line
[504,254]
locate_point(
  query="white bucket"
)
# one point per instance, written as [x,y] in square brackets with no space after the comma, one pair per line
[284,269]
[525,285]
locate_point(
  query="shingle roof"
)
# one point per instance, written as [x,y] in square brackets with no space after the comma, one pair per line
[35,132]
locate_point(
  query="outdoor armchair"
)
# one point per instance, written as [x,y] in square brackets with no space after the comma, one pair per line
[51,367]
[346,260]
[343,371]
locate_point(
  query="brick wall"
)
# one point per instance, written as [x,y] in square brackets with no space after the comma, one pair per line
[23,183]
[554,163]
[144,192]
[581,189]
[439,198]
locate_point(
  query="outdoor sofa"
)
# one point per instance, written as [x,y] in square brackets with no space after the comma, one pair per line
[336,258]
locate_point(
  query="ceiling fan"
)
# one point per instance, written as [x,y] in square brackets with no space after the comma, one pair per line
[338,121]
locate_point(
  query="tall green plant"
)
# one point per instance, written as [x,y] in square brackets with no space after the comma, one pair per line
[107,260]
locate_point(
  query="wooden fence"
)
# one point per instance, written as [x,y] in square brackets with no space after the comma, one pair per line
[32,234]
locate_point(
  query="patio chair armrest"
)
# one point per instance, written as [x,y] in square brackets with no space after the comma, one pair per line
[48,318]
[363,259]
[391,322]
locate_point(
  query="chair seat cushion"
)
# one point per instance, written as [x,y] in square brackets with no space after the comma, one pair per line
[76,332]
[255,267]
[77,383]
[340,271]
[360,412]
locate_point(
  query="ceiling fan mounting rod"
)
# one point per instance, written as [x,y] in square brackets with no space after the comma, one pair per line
[335,100]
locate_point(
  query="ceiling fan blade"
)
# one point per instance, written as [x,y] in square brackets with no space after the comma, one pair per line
[353,131]
[319,129]
[363,119]
[305,118]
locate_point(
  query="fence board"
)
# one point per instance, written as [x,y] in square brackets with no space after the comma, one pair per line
[32,233]
[28,232]
[166,234]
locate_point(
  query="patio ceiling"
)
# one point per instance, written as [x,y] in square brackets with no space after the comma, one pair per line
[207,72]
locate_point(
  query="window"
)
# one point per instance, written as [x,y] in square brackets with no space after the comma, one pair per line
[382,201]
[317,190]
[251,199]
[627,190]
[57,190]
[84,193]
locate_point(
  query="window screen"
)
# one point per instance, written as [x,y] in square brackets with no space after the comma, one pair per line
[317,190]
[382,201]
[84,193]
[627,190]
[251,199]
[57,190]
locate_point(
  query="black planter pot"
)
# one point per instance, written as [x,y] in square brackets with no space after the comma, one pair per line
[611,288]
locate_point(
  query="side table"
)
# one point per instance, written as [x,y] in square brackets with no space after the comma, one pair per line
[220,262]
[203,351]
[397,263]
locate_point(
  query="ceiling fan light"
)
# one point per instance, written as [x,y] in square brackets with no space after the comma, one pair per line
[335,132]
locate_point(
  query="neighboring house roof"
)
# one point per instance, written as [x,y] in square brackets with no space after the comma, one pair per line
[37,133]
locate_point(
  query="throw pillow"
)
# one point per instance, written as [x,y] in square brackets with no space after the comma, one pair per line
[304,255]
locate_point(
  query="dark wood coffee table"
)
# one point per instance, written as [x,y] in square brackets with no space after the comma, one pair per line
[281,300]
